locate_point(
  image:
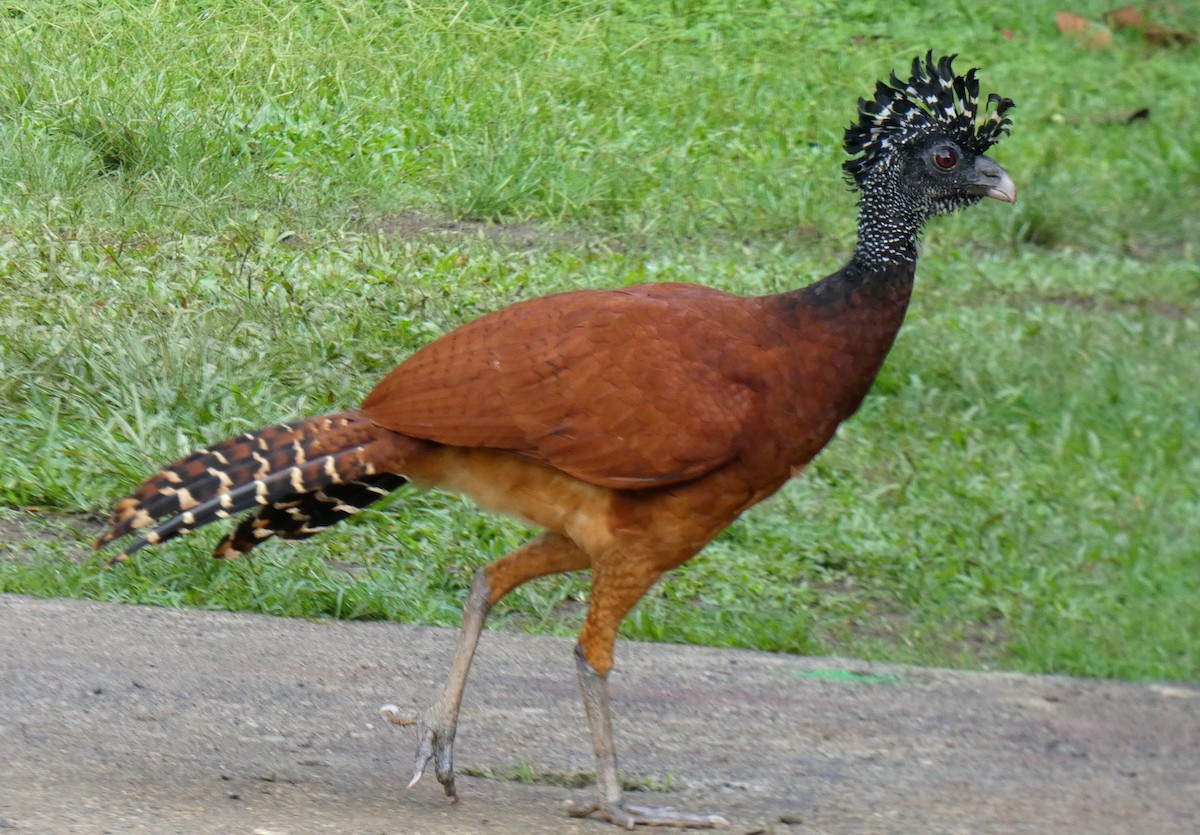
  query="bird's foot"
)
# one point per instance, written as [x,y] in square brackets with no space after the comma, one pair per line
[435,741]
[629,817]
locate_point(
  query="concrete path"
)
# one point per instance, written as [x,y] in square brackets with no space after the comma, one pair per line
[126,719]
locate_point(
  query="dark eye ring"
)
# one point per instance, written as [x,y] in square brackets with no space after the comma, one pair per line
[945,158]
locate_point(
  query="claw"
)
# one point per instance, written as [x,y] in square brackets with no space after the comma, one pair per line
[424,754]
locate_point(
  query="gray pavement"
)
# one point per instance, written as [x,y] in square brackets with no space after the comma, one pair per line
[128,719]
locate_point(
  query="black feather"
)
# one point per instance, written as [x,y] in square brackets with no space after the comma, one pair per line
[933,99]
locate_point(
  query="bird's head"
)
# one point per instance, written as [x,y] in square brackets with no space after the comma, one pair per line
[923,138]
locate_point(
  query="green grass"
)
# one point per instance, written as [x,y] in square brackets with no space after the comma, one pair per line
[196,242]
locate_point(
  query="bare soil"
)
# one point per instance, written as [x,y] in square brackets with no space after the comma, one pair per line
[415,225]
[129,719]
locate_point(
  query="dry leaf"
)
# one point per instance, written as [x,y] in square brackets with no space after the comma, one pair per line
[1126,17]
[1090,34]
[1166,36]
[1070,24]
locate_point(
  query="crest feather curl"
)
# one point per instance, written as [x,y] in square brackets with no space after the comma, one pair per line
[934,100]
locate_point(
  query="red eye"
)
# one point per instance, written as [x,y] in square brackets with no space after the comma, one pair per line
[945,158]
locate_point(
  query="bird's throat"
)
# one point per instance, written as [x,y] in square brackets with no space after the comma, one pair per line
[888,227]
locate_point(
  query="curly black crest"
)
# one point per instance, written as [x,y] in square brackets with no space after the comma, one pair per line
[933,100]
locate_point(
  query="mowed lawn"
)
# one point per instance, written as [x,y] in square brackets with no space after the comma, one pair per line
[215,216]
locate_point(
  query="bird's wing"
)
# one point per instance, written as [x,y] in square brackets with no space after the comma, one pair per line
[626,388]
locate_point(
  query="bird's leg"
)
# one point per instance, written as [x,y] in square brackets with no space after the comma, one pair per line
[550,553]
[437,725]
[609,804]
[615,589]
[594,688]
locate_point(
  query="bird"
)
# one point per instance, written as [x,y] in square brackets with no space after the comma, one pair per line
[631,425]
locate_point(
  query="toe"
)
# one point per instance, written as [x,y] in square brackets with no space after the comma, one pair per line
[630,817]
[399,716]
[435,743]
[666,816]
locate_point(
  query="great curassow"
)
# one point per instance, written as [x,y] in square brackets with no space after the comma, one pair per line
[633,425]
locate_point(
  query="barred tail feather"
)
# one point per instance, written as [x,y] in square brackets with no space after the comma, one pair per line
[283,464]
[301,515]
[211,471]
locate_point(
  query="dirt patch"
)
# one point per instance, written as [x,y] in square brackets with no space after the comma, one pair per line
[141,720]
[416,225]
[1092,304]
[23,526]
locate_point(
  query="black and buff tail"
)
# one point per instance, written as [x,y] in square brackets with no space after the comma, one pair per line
[302,477]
